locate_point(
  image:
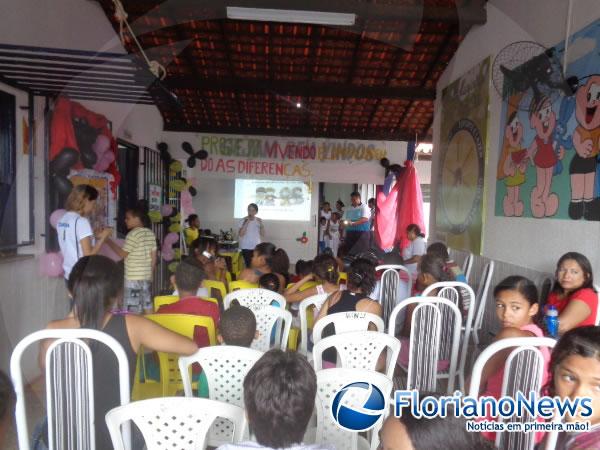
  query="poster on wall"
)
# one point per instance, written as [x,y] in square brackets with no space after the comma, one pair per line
[154,197]
[549,147]
[104,214]
[459,206]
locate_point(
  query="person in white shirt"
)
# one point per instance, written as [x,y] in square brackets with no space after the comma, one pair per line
[411,255]
[75,234]
[279,397]
[251,232]
[326,210]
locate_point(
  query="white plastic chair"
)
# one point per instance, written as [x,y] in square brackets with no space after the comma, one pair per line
[267,318]
[329,382]
[345,322]
[523,371]
[463,297]
[468,266]
[482,294]
[69,387]
[225,367]
[359,350]
[390,293]
[434,337]
[254,298]
[316,301]
[174,422]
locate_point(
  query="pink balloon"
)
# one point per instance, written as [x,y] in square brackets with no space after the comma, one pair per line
[51,264]
[190,211]
[105,250]
[101,145]
[56,216]
[170,239]
[186,202]
[168,255]
[104,161]
[166,210]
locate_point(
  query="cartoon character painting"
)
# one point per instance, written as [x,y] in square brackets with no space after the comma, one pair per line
[542,119]
[513,166]
[586,140]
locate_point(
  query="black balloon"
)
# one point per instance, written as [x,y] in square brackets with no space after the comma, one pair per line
[88,158]
[64,161]
[201,154]
[165,156]
[191,162]
[162,146]
[62,184]
[193,191]
[187,147]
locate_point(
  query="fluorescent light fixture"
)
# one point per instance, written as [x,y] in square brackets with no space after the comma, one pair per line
[298,105]
[292,16]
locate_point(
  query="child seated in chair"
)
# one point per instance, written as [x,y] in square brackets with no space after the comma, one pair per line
[238,326]
[439,250]
[279,396]
[269,281]
[188,277]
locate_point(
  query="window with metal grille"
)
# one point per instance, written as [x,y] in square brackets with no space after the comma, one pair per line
[8,191]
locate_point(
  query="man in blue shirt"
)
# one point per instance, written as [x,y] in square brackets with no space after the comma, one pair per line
[357,226]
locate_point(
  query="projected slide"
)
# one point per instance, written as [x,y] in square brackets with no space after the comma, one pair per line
[276,200]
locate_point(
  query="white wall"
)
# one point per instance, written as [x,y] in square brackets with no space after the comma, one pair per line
[28,301]
[532,243]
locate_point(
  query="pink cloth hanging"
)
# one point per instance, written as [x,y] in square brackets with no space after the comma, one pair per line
[402,206]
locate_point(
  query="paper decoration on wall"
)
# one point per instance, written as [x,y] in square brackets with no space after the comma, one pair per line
[548,167]
[303,239]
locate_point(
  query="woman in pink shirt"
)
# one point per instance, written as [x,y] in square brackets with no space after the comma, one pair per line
[573,293]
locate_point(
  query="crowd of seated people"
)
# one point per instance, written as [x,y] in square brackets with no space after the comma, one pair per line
[279,391]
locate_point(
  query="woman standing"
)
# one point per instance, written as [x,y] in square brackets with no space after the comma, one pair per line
[75,235]
[416,248]
[251,233]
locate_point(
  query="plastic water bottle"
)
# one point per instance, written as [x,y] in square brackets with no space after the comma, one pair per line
[552,321]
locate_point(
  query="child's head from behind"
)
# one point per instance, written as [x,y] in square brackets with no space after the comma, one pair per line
[573,272]
[135,218]
[189,276]
[82,199]
[95,282]
[269,281]
[279,396]
[7,399]
[304,268]
[439,250]
[237,326]
[575,368]
[431,270]
[325,269]
[516,302]
[448,433]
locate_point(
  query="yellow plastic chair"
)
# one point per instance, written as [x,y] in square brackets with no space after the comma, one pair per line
[161,300]
[218,285]
[305,286]
[228,277]
[343,276]
[170,379]
[241,284]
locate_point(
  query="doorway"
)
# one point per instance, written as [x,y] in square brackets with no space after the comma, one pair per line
[128,160]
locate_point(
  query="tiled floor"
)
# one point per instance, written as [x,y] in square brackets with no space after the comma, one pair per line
[35,404]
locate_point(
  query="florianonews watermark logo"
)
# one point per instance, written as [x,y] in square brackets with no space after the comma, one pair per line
[358,406]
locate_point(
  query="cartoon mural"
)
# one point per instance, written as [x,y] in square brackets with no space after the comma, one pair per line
[549,163]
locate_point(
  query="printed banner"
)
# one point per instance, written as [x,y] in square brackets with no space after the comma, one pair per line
[463,141]
[104,215]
